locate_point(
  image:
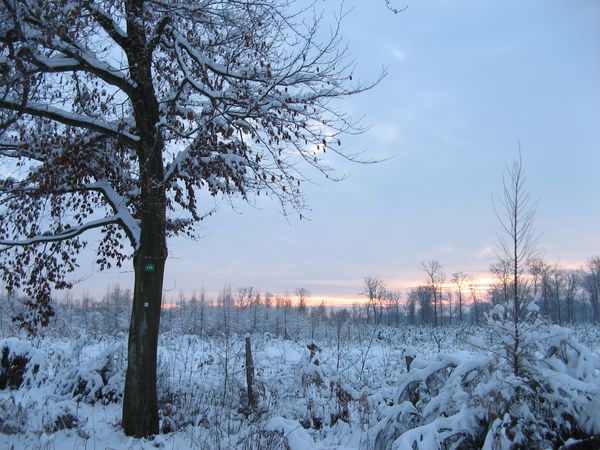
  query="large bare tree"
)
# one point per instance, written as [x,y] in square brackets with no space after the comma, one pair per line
[121,115]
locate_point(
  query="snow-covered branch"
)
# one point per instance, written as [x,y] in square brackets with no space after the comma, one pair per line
[69,118]
[38,39]
[60,236]
[77,59]
[123,215]
[108,24]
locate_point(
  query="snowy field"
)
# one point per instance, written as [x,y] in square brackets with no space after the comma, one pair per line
[351,391]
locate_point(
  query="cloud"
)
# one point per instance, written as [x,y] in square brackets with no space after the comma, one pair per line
[398,54]
[387,132]
[448,248]
[486,252]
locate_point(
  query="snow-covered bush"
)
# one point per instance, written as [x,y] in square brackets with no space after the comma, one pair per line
[292,435]
[21,364]
[59,416]
[557,397]
[179,405]
[13,416]
[102,380]
[470,402]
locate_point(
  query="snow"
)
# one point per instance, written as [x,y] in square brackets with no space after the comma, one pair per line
[295,436]
[282,352]
[352,394]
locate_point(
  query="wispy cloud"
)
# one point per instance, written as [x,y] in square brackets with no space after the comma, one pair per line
[486,252]
[398,54]
[387,133]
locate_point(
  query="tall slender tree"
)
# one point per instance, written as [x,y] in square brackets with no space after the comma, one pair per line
[303,294]
[374,290]
[515,211]
[591,284]
[120,116]
[435,279]
[475,303]
[460,281]
[572,280]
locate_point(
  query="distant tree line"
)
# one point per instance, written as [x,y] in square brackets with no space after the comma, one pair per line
[564,296]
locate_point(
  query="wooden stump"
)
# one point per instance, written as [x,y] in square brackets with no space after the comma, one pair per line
[250,374]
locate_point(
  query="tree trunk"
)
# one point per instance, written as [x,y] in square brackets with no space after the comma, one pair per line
[140,405]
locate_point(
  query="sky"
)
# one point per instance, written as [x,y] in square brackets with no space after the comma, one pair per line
[466,82]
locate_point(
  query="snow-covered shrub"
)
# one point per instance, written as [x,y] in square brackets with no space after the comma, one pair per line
[452,402]
[431,406]
[344,395]
[557,397]
[397,420]
[312,375]
[59,416]
[547,381]
[82,384]
[111,367]
[179,404]
[257,438]
[21,364]
[13,416]
[102,380]
[291,433]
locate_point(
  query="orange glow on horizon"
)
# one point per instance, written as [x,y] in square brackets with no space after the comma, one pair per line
[333,300]
[482,284]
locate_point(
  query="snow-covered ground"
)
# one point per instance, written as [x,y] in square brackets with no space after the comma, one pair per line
[352,391]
